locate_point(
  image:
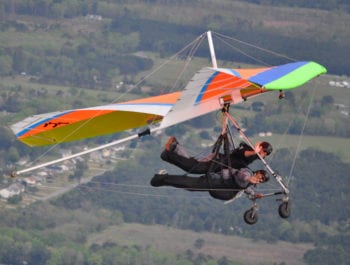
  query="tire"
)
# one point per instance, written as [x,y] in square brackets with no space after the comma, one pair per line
[250,216]
[284,210]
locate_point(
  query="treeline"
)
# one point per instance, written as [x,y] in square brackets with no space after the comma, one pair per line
[321,4]
[301,116]
[42,234]
[71,8]
[54,9]
[91,63]
[92,59]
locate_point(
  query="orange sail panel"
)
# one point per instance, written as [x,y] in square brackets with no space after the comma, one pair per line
[220,83]
[59,127]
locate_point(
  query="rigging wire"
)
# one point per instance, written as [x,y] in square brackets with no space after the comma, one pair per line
[256,47]
[193,48]
[244,53]
[191,44]
[114,187]
[187,61]
[153,188]
[285,133]
[302,132]
[143,194]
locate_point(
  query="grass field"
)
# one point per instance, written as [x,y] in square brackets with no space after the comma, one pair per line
[335,145]
[176,241]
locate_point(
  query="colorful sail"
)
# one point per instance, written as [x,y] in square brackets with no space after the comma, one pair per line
[204,93]
[210,87]
[59,127]
[283,77]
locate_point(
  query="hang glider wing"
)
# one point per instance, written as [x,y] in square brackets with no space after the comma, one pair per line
[203,94]
[283,77]
[210,87]
[59,127]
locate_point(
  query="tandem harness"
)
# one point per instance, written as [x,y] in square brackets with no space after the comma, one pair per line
[220,170]
[225,187]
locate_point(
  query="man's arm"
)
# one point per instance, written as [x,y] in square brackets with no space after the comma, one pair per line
[252,194]
[251,152]
[255,179]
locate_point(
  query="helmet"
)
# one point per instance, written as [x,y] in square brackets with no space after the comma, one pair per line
[267,147]
[264,173]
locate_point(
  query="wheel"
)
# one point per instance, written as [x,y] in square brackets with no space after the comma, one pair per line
[284,210]
[251,216]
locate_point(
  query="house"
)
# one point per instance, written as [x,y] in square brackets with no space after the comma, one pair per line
[106,153]
[5,193]
[29,181]
[12,190]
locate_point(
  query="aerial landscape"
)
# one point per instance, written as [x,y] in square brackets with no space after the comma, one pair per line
[92,91]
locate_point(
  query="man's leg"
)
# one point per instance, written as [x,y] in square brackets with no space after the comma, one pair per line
[181,181]
[188,164]
[217,188]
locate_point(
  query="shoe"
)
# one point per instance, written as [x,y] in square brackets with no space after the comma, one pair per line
[164,156]
[158,180]
[171,144]
[162,172]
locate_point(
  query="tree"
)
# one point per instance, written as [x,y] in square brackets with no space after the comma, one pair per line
[332,254]
[205,135]
[19,60]
[257,106]
[12,155]
[15,199]
[327,100]
[79,171]
[5,64]
[199,243]
[6,138]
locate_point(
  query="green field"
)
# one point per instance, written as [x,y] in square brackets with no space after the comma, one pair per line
[335,145]
[171,240]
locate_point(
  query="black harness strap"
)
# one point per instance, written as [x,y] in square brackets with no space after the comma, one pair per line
[227,152]
[216,150]
[225,161]
[214,160]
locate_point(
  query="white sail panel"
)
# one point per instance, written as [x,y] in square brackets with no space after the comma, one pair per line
[203,94]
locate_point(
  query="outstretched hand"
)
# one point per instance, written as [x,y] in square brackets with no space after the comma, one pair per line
[256,179]
[259,195]
[258,147]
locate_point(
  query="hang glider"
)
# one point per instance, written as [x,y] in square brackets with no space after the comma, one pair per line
[210,89]
[207,91]
[202,95]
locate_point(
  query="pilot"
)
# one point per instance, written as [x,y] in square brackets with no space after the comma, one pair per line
[219,185]
[243,156]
